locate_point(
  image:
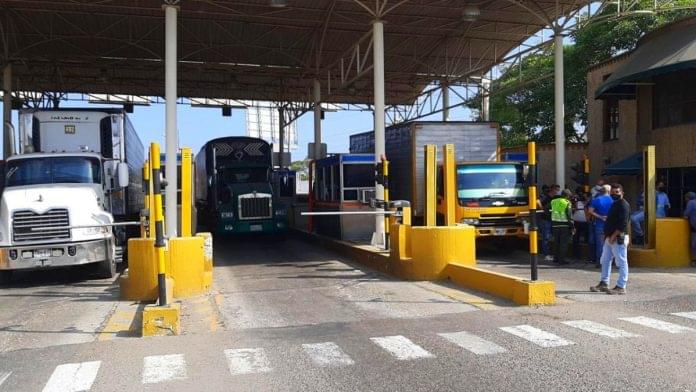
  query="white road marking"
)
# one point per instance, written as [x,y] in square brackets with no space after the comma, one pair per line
[599,329]
[689,315]
[401,347]
[73,377]
[537,336]
[247,361]
[473,343]
[159,368]
[4,376]
[657,324]
[327,354]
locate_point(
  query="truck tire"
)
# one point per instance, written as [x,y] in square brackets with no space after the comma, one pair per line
[106,269]
[5,278]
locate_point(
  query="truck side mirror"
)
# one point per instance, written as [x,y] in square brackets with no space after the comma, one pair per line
[122,173]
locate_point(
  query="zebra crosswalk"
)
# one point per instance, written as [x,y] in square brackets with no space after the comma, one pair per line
[158,369]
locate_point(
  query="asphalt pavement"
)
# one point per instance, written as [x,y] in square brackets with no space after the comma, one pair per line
[289,316]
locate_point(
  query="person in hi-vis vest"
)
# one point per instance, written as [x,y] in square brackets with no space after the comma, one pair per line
[562,226]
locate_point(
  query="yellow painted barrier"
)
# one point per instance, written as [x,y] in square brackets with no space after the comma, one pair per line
[186,266]
[207,259]
[671,250]
[140,281]
[423,252]
[187,272]
[161,320]
[521,292]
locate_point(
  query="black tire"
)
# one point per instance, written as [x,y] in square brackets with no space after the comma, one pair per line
[5,278]
[106,269]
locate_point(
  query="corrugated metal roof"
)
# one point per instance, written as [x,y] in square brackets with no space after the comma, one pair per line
[245,49]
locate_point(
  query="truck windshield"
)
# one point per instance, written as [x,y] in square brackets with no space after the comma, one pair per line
[55,170]
[490,181]
[240,175]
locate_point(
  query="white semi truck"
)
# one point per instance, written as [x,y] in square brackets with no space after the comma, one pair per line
[76,173]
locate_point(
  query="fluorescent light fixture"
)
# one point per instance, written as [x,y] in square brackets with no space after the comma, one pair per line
[470,13]
[278,3]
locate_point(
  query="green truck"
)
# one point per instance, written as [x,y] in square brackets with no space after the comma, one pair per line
[235,192]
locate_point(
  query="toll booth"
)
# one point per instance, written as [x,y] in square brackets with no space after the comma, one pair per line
[343,182]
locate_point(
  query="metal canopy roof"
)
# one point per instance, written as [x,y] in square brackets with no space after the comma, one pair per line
[245,49]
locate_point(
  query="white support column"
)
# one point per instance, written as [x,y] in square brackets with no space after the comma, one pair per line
[172,133]
[317,119]
[378,69]
[445,101]
[559,109]
[486,100]
[281,136]
[7,138]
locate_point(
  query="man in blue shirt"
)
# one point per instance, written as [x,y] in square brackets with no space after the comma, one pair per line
[690,214]
[599,210]
[661,206]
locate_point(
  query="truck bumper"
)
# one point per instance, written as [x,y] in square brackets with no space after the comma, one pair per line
[486,231]
[30,257]
[267,226]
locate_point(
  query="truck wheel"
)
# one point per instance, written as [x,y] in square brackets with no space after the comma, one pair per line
[106,269]
[5,278]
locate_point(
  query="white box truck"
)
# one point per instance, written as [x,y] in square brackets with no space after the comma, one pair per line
[77,172]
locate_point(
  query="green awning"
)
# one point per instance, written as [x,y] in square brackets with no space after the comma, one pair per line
[631,166]
[671,48]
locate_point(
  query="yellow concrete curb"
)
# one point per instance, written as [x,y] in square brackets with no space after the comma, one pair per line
[161,320]
[521,292]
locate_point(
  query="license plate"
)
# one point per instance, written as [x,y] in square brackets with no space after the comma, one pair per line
[42,253]
[256,227]
[500,231]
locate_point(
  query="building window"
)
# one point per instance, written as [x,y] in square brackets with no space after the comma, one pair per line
[673,103]
[611,119]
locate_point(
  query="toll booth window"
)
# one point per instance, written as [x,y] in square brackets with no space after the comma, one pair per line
[358,176]
[287,185]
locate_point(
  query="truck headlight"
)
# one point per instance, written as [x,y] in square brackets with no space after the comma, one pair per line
[470,221]
[94,230]
[227,215]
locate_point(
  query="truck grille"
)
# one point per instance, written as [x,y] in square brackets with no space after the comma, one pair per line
[55,220]
[498,220]
[254,207]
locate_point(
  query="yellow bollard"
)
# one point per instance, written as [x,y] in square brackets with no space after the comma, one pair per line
[159,224]
[532,194]
[145,230]
[450,184]
[186,190]
[430,184]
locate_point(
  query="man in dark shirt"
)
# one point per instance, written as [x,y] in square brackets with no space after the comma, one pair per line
[615,243]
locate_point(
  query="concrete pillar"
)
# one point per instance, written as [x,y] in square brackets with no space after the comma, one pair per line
[281,136]
[445,101]
[378,70]
[559,109]
[7,138]
[172,133]
[486,100]
[317,119]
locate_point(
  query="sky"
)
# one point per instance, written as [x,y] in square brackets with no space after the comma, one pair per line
[198,125]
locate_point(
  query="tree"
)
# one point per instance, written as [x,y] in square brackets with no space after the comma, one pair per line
[524,102]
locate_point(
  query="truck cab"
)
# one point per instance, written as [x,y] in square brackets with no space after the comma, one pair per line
[53,208]
[491,196]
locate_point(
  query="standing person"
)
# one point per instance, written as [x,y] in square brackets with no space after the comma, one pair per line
[615,243]
[597,188]
[562,225]
[599,210]
[662,206]
[580,221]
[545,221]
[690,214]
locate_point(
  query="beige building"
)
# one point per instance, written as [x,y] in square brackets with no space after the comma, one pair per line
[646,97]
